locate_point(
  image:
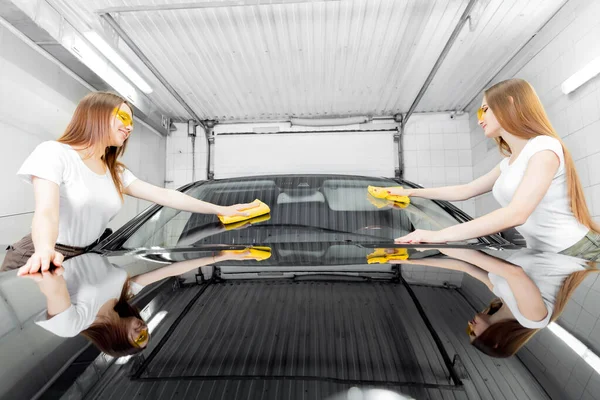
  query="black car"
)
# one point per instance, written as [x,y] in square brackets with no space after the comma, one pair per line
[333,308]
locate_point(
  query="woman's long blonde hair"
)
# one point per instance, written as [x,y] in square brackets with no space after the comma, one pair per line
[90,126]
[521,113]
[111,336]
[505,338]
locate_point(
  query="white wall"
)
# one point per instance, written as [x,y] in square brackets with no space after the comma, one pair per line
[180,154]
[145,156]
[437,152]
[565,45]
[37,101]
[343,152]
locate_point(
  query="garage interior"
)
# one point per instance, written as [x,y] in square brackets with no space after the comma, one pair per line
[226,89]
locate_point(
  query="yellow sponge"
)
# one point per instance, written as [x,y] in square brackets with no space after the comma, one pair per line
[382,193]
[381,203]
[258,253]
[383,256]
[254,212]
[251,221]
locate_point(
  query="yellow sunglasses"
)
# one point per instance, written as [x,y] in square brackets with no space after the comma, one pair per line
[124,117]
[470,330]
[137,342]
[481,112]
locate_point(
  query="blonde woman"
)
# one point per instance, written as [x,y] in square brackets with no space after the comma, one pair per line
[536,183]
[79,183]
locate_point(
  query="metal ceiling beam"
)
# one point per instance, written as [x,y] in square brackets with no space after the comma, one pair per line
[208,4]
[461,22]
[123,35]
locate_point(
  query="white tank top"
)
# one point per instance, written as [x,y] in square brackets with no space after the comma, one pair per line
[552,226]
[88,201]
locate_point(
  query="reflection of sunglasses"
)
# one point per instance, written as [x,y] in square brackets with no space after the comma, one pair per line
[141,339]
[481,112]
[124,117]
[470,330]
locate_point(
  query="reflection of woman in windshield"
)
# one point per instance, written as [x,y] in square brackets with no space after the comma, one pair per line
[89,295]
[532,288]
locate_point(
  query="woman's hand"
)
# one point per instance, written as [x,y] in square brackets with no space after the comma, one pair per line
[398,191]
[41,260]
[50,282]
[237,209]
[421,236]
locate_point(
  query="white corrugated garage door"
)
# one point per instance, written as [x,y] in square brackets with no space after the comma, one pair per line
[370,153]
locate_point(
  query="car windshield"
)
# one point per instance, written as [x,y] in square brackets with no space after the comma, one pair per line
[303,209]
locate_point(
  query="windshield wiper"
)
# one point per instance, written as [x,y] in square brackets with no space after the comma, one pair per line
[331,277]
[316,228]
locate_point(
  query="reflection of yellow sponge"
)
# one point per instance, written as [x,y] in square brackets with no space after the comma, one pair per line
[383,256]
[382,193]
[258,253]
[254,212]
[251,221]
[379,203]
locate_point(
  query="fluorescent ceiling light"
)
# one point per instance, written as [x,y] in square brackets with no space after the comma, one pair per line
[98,64]
[584,352]
[582,76]
[118,61]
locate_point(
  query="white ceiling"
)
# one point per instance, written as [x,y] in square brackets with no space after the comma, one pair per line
[320,58]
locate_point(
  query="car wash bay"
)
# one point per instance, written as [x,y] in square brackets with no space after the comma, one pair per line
[228,89]
[316,339]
